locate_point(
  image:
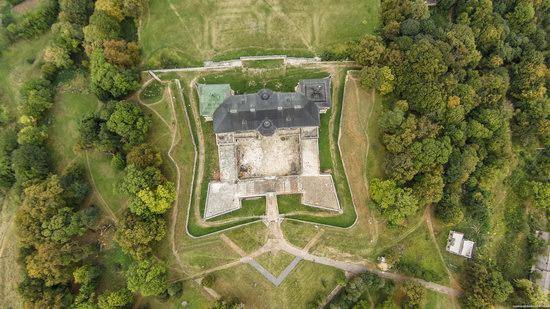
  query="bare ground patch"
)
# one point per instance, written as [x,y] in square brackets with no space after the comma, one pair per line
[26,6]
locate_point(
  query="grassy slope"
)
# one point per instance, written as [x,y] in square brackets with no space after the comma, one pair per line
[192,31]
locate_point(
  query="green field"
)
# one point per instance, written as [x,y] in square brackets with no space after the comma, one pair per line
[189,32]
[275,263]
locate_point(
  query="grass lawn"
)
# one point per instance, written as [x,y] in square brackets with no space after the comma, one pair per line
[300,288]
[250,237]
[250,81]
[298,233]
[63,130]
[419,253]
[193,295]
[106,178]
[253,207]
[263,64]
[275,263]
[178,33]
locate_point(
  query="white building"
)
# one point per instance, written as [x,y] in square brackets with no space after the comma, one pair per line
[456,244]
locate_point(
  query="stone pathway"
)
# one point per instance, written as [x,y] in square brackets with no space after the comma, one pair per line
[277,242]
[273,222]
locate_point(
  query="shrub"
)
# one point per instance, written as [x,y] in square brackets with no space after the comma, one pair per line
[35,22]
[209,280]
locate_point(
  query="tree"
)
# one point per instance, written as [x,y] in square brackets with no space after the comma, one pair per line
[410,27]
[114,8]
[76,11]
[75,184]
[53,263]
[136,234]
[8,143]
[419,77]
[159,200]
[527,292]
[208,280]
[58,56]
[37,295]
[415,295]
[30,162]
[122,53]
[463,46]
[136,179]
[484,286]
[368,51]
[130,123]
[32,135]
[36,97]
[143,156]
[110,80]
[102,27]
[87,277]
[395,203]
[115,299]
[147,277]
[428,187]
[541,194]
[133,7]
[380,78]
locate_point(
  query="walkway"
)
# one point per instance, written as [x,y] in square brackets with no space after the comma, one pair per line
[277,242]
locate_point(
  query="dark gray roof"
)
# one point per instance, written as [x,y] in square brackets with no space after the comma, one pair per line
[265,111]
[317,91]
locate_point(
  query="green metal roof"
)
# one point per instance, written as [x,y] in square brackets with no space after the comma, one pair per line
[211,96]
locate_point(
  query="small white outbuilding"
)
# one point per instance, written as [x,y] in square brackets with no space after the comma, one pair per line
[457,244]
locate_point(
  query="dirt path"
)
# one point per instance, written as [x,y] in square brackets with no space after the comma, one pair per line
[104,205]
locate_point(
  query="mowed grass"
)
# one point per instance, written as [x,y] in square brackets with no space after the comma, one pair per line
[303,285]
[298,233]
[189,32]
[275,263]
[253,207]
[63,129]
[249,237]
[105,178]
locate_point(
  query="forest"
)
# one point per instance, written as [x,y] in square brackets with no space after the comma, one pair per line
[466,106]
